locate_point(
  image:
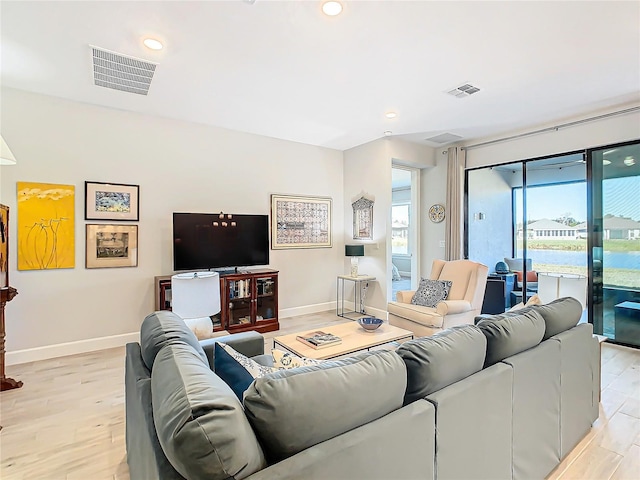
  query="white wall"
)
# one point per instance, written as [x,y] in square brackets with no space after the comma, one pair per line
[490,238]
[180,167]
[367,170]
[596,133]
[433,189]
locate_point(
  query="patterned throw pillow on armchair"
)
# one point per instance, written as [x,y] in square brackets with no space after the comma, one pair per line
[430,292]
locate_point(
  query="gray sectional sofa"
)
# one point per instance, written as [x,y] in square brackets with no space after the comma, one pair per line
[506,398]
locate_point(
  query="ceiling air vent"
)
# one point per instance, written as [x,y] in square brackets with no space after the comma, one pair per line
[121,72]
[444,138]
[463,90]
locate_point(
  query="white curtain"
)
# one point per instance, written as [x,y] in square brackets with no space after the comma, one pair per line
[454,225]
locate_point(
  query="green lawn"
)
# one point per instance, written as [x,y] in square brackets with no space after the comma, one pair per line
[581,245]
[618,277]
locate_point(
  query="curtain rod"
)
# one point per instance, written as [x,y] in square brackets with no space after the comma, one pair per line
[556,128]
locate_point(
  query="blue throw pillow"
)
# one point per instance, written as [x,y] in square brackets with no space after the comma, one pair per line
[237,370]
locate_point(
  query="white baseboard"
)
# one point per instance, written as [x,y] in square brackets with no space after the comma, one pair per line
[376,312]
[70,348]
[91,345]
[316,308]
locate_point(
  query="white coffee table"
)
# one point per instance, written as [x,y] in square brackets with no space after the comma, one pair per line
[354,338]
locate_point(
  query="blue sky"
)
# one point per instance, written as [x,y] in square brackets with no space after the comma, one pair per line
[621,197]
[555,201]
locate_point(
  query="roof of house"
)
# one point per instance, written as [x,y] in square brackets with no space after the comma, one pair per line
[546,224]
[613,222]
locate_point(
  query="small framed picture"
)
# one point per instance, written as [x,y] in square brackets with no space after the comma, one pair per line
[111,201]
[110,246]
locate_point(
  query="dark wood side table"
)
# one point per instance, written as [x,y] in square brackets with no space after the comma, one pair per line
[6,295]
[509,280]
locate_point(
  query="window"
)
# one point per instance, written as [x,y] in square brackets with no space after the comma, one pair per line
[562,209]
[400,229]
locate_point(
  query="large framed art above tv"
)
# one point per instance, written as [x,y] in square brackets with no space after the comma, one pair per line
[300,222]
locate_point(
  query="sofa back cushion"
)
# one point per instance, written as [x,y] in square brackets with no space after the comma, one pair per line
[560,315]
[199,420]
[510,334]
[291,410]
[162,328]
[442,359]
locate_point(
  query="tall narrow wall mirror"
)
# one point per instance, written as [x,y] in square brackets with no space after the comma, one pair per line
[363,219]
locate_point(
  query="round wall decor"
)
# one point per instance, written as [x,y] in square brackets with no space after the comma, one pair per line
[436,213]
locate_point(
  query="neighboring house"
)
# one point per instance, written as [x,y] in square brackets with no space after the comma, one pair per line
[615,228]
[581,230]
[620,228]
[399,229]
[549,230]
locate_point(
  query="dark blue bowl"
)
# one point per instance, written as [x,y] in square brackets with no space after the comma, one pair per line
[370,323]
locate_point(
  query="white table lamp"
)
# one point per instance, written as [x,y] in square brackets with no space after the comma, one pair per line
[195,298]
[557,285]
[6,155]
[354,251]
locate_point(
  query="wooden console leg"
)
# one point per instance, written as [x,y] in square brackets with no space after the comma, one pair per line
[9,384]
[6,295]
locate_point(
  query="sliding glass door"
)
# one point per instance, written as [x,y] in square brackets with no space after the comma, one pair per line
[569,226]
[533,216]
[614,243]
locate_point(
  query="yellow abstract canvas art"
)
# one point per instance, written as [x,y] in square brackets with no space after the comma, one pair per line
[46,226]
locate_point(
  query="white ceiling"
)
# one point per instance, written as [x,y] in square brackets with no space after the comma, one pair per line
[285,70]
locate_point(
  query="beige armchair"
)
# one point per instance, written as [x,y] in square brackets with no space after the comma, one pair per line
[468,282]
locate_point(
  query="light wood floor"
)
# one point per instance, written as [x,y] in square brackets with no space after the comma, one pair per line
[67,421]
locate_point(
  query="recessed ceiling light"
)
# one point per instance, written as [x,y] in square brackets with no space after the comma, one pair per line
[388,133]
[629,161]
[391,114]
[606,162]
[332,8]
[152,43]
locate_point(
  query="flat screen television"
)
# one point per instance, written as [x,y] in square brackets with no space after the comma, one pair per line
[199,244]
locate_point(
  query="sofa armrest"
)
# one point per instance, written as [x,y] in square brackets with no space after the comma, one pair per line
[405,296]
[451,307]
[249,344]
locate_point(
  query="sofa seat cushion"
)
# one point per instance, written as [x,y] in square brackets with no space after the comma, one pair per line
[199,420]
[291,410]
[442,359]
[427,316]
[511,333]
[162,328]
